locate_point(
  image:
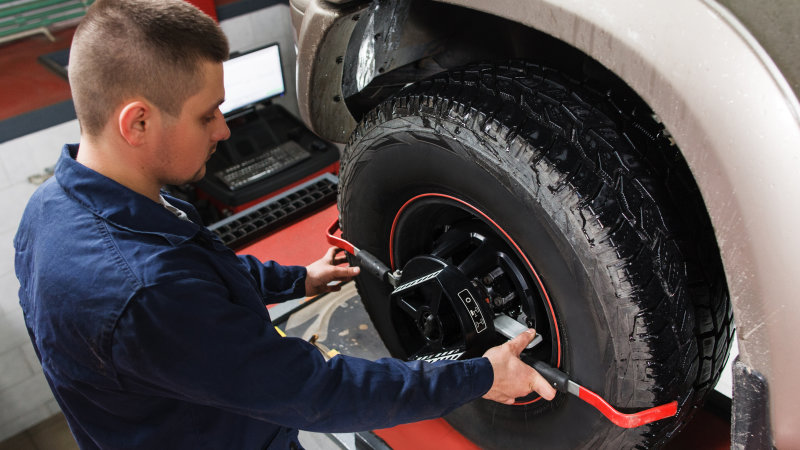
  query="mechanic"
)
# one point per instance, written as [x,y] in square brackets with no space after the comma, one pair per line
[152,333]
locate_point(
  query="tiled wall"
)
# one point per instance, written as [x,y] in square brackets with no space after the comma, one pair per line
[25,398]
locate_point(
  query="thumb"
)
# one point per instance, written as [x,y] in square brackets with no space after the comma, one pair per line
[330,254]
[346,272]
[518,344]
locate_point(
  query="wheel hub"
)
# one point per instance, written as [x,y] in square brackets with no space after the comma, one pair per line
[448,311]
[465,285]
[430,327]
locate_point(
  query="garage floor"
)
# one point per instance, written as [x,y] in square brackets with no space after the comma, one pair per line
[26,85]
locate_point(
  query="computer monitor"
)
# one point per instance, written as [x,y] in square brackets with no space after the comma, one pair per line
[251,78]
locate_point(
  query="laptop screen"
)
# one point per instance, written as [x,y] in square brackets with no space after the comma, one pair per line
[252,77]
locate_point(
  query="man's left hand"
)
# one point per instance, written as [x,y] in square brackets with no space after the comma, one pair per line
[325,274]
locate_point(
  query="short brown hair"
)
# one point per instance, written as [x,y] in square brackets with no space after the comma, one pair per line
[148,48]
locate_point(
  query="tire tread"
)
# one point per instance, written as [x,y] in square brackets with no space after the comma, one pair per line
[638,204]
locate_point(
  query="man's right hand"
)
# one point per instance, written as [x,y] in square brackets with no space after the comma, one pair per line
[512,377]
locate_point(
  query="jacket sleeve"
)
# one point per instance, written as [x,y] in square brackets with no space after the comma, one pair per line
[220,354]
[277,283]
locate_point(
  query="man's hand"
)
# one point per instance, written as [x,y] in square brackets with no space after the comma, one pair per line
[512,377]
[323,272]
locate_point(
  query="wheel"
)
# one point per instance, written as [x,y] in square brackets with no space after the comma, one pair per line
[558,208]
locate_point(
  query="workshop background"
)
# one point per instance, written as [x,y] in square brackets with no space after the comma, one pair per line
[36,119]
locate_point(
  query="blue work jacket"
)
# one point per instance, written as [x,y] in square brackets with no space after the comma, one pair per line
[152,334]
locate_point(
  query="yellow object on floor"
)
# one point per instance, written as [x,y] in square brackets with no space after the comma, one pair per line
[314,340]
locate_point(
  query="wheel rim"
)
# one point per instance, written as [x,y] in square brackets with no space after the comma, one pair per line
[435,230]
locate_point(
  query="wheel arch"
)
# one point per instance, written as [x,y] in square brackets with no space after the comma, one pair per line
[728,108]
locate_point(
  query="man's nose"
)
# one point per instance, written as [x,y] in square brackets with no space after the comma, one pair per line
[222,132]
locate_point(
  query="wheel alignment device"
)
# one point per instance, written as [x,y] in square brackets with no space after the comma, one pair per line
[428,276]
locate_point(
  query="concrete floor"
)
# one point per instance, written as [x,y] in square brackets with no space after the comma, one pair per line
[52,434]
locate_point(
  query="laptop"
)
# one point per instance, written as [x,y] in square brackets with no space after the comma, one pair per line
[269,148]
[255,150]
[252,78]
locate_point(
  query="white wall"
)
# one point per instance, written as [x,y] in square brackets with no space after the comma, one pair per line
[25,397]
[266,26]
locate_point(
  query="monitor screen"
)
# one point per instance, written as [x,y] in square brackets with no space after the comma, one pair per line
[252,77]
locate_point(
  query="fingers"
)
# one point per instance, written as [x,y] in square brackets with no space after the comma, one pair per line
[525,380]
[335,256]
[519,343]
[343,270]
[343,274]
[513,378]
[542,387]
[333,278]
[330,256]
[326,275]
[340,257]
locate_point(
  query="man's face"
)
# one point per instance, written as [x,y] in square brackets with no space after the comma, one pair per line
[187,142]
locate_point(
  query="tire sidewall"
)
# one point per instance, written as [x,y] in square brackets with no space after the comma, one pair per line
[414,154]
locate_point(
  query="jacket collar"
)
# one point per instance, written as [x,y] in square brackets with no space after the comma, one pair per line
[120,205]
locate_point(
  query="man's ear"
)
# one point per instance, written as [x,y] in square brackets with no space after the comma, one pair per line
[134,121]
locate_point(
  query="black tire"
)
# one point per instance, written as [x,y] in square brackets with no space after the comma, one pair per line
[596,197]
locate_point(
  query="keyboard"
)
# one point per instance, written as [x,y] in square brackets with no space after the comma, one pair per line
[252,223]
[262,166]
